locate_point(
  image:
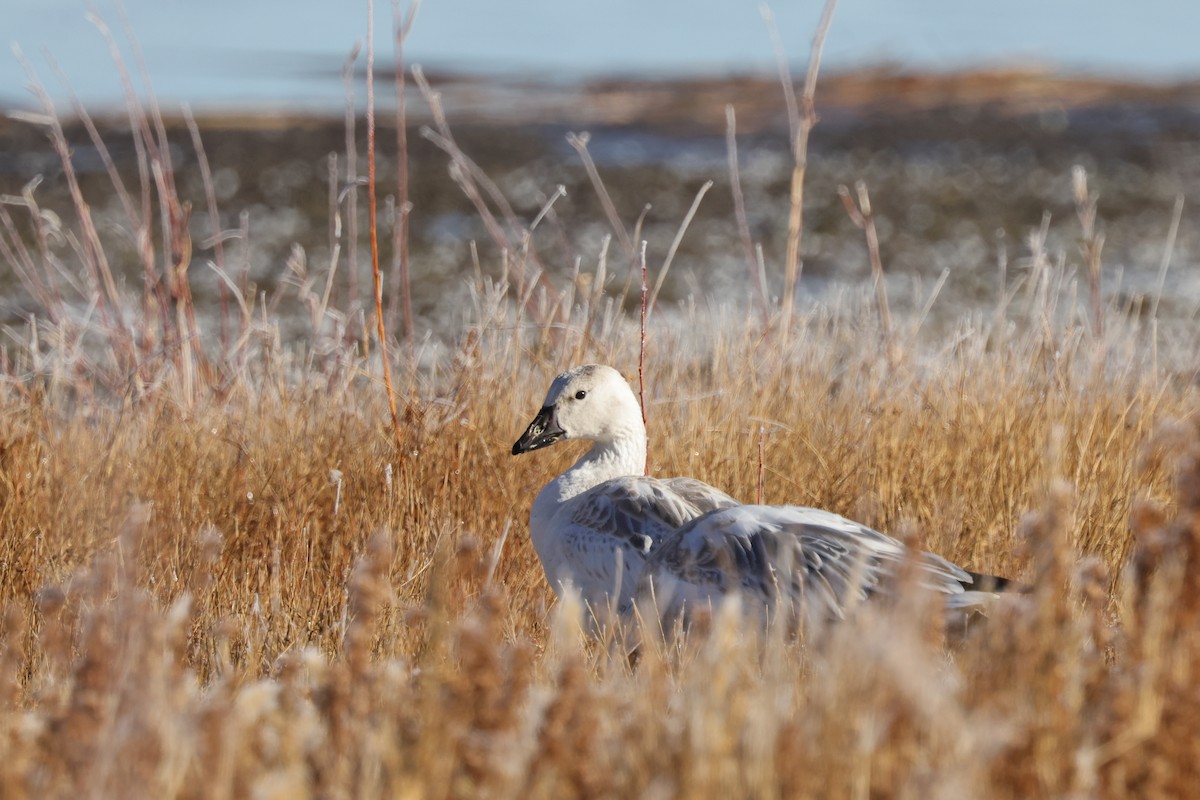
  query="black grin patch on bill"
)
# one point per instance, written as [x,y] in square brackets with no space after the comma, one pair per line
[542,432]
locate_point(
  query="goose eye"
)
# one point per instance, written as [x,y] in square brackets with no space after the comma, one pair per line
[580,394]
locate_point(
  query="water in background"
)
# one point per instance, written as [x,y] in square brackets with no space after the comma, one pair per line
[288,53]
[958,183]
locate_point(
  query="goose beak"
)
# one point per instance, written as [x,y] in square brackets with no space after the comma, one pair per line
[542,432]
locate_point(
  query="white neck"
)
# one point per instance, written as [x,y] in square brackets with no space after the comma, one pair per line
[619,457]
[605,461]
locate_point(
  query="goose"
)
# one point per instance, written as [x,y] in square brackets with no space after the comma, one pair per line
[618,538]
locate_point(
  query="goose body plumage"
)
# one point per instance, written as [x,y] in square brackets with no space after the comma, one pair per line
[605,530]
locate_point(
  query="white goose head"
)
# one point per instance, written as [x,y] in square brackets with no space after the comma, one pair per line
[592,402]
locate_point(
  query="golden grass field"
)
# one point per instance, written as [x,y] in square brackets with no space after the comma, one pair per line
[223,575]
[195,606]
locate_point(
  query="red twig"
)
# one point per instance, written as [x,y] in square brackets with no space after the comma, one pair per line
[372,204]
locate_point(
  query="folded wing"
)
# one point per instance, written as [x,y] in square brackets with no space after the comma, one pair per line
[810,561]
[605,534]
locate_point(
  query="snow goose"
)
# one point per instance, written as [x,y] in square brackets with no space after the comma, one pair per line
[605,530]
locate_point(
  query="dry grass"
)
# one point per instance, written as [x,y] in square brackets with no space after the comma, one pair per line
[222,577]
[235,599]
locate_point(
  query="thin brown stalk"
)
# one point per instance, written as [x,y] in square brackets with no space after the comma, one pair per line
[938,285]
[547,208]
[863,218]
[463,177]
[335,215]
[174,216]
[1168,251]
[43,289]
[759,493]
[170,287]
[110,167]
[94,257]
[179,253]
[154,289]
[579,141]
[243,285]
[784,71]
[351,179]
[631,274]
[214,218]
[1092,242]
[1038,285]
[683,226]
[322,308]
[403,206]
[642,341]
[739,213]
[374,227]
[163,152]
[802,125]
[450,146]
[160,145]
[476,183]
[1003,295]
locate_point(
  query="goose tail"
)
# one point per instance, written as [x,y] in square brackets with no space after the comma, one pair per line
[993,584]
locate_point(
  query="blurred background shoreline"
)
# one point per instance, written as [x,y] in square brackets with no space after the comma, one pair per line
[269,55]
[965,127]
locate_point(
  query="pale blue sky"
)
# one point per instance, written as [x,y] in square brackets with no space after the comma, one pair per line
[263,52]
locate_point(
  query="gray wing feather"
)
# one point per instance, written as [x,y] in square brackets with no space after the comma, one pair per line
[699,495]
[787,554]
[639,512]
